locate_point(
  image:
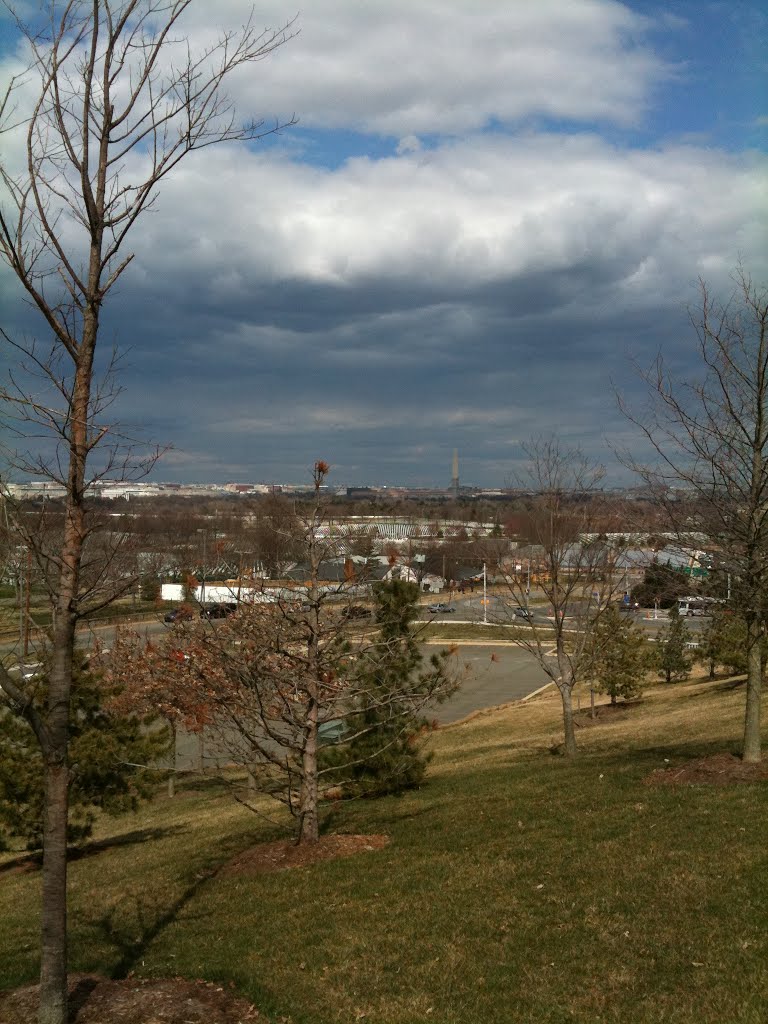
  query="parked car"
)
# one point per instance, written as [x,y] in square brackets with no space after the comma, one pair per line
[178,615]
[218,611]
[522,613]
[356,611]
[441,608]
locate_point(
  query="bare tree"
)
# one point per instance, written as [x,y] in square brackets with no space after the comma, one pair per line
[710,471]
[575,568]
[276,540]
[111,81]
[270,678]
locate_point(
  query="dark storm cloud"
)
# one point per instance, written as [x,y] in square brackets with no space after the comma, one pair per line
[467,289]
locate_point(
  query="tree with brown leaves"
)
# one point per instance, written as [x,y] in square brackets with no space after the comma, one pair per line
[275,676]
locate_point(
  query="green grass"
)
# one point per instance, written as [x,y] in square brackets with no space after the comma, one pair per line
[516,886]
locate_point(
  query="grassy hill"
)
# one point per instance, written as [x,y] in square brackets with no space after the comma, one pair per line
[515,886]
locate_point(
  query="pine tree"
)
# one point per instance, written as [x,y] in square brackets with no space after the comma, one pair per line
[386,752]
[673,662]
[105,748]
[620,656]
[725,643]
[151,588]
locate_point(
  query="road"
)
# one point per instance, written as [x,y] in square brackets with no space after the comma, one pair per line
[493,673]
[500,610]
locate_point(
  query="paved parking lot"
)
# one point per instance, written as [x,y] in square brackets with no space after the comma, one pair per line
[486,681]
[509,675]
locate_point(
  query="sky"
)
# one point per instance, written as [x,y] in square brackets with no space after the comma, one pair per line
[486,214]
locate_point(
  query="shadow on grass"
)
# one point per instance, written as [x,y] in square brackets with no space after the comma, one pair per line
[673,752]
[33,861]
[132,936]
[211,782]
[143,835]
[379,813]
[730,684]
[540,769]
[703,687]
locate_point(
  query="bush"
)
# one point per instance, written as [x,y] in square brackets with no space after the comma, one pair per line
[672,658]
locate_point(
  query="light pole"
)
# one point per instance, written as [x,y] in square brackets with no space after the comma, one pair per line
[485,596]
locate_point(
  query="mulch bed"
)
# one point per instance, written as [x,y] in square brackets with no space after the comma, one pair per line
[284,853]
[95,1000]
[715,770]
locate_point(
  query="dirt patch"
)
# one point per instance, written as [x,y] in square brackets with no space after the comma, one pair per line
[284,854]
[95,1000]
[605,713]
[715,770]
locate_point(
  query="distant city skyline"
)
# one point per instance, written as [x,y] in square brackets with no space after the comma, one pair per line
[478,222]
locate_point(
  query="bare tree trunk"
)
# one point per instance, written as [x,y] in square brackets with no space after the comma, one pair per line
[309,827]
[53,970]
[174,761]
[53,966]
[92,105]
[568,726]
[751,749]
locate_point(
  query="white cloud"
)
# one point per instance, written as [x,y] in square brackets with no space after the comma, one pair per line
[462,216]
[448,66]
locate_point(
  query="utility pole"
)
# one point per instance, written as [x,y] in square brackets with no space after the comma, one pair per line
[485,596]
